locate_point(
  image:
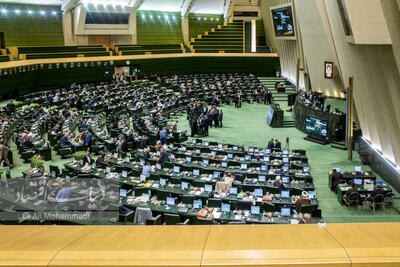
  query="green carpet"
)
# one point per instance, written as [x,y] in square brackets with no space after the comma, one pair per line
[247,126]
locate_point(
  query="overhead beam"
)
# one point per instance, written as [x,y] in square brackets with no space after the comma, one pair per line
[227,7]
[136,4]
[68,4]
[187,7]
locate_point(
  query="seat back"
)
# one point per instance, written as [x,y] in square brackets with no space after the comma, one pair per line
[188,199]
[202,221]
[214,203]
[172,219]
[379,198]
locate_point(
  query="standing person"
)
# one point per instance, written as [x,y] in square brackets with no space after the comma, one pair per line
[220,117]
[216,118]
[204,125]
[4,153]
[269,97]
[237,100]
[163,136]
[271,144]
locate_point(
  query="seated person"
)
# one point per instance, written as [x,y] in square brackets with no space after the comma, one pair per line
[64,142]
[268,198]
[378,191]
[87,159]
[301,201]
[305,219]
[147,170]
[278,183]
[101,159]
[351,190]
[248,197]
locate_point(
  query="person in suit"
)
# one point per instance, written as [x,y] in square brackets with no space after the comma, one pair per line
[305,219]
[278,183]
[143,142]
[64,142]
[146,155]
[336,178]
[163,136]
[87,159]
[378,191]
[100,160]
[220,118]
[88,138]
[164,156]
[271,144]
[124,145]
[301,201]
[4,153]
[204,125]
[237,100]
[278,144]
[353,189]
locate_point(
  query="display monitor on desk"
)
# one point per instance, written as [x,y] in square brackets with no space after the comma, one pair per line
[268,151]
[184,185]
[171,145]
[193,141]
[213,153]
[255,210]
[357,169]
[285,212]
[127,159]
[122,192]
[142,178]
[285,160]
[251,149]
[198,151]
[196,172]
[312,195]
[225,207]
[163,181]
[285,180]
[124,174]
[205,161]
[247,157]
[183,148]
[285,194]
[217,174]
[358,181]
[264,168]
[261,178]
[258,192]
[233,190]
[208,187]
[197,204]
[158,166]
[243,166]
[235,148]
[230,156]
[170,201]
[337,169]
[285,152]
[205,143]
[306,169]
[177,169]
[188,159]
[224,164]
[317,127]
[285,168]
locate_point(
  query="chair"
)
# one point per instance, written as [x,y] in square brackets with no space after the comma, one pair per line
[154,220]
[214,203]
[172,219]
[368,202]
[186,222]
[268,207]
[389,198]
[244,205]
[162,195]
[202,221]
[352,200]
[307,208]
[188,199]
[125,215]
[142,214]
[54,169]
[379,200]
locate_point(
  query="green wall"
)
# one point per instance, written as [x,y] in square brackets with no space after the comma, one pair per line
[159,30]
[260,34]
[34,29]
[200,23]
[44,77]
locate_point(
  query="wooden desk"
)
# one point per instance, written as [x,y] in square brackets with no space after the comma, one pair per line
[369,244]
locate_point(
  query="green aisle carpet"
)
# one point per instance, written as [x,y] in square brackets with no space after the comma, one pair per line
[247,126]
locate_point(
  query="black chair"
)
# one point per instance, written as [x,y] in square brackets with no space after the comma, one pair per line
[307,208]
[214,203]
[54,169]
[352,200]
[202,221]
[379,200]
[368,202]
[172,219]
[188,199]
[268,207]
[389,199]
[244,205]
[186,222]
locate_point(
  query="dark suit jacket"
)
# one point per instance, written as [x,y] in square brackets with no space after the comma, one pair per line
[86,160]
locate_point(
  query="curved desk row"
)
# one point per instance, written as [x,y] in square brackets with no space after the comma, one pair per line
[212,245]
[336,123]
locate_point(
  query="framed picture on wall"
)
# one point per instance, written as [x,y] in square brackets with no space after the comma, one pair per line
[328,70]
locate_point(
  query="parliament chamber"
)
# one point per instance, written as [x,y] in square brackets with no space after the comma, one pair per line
[199,133]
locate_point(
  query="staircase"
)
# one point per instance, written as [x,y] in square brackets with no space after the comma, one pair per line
[226,38]
[280,98]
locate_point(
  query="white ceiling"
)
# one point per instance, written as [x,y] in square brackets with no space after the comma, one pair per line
[200,6]
[34,2]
